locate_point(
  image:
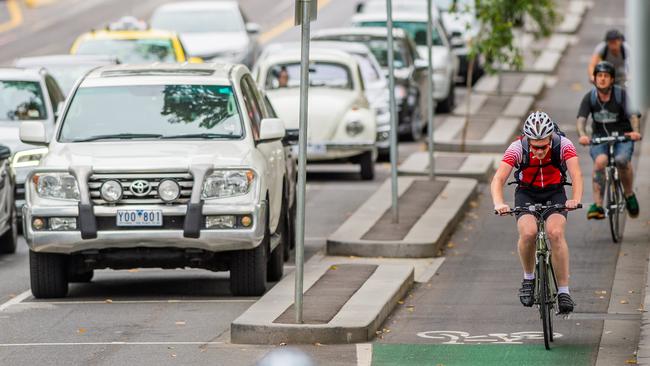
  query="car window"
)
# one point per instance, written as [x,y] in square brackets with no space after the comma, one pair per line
[369,73]
[198,21]
[130,50]
[253,109]
[415,30]
[269,108]
[166,110]
[321,74]
[21,101]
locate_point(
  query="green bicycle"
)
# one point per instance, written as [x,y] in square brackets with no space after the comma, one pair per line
[545,281]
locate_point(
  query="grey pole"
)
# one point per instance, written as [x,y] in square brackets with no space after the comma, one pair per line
[430,109]
[302,157]
[393,112]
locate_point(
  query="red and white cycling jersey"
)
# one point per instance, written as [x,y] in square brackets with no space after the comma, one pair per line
[548,175]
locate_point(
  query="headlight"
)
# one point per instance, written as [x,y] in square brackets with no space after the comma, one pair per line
[62,186]
[169,190]
[227,183]
[28,158]
[354,128]
[111,191]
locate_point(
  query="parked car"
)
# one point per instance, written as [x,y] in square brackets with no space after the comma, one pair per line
[214,31]
[445,63]
[8,216]
[26,95]
[374,80]
[66,69]
[167,166]
[342,125]
[130,41]
[408,70]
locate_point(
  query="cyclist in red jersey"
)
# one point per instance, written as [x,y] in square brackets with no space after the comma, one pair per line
[540,179]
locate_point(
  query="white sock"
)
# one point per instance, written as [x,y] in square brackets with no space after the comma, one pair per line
[529,276]
[563,290]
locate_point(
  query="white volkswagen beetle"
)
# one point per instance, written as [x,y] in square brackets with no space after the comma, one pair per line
[342,125]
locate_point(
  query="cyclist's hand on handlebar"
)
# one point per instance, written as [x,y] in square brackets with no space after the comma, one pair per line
[501,209]
[634,136]
[584,140]
[571,204]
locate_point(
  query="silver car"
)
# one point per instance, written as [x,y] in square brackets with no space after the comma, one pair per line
[212,30]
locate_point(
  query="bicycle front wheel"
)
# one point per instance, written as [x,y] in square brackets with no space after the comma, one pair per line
[615,207]
[545,302]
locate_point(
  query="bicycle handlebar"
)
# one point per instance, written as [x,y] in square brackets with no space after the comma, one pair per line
[602,140]
[537,208]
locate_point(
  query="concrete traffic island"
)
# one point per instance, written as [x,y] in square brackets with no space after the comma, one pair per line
[458,165]
[429,211]
[495,105]
[343,303]
[511,83]
[485,134]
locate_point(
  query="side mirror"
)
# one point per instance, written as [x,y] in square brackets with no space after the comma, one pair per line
[359,7]
[5,152]
[195,60]
[291,137]
[421,64]
[33,132]
[59,109]
[271,129]
[253,28]
[456,40]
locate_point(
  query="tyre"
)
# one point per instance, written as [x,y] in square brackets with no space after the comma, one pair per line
[275,266]
[48,275]
[615,206]
[544,301]
[416,123]
[447,105]
[290,243]
[248,270]
[367,164]
[9,240]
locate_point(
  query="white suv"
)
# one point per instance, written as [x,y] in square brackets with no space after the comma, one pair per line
[166,166]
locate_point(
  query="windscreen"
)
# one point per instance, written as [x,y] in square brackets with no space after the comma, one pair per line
[130,50]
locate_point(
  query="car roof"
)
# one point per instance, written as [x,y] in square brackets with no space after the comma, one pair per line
[20,73]
[378,32]
[199,5]
[218,73]
[64,60]
[400,16]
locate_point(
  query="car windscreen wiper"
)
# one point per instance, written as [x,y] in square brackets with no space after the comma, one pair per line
[120,136]
[204,135]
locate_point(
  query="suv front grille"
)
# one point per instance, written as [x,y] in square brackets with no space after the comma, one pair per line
[184,180]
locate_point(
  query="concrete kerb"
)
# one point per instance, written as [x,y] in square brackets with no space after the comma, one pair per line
[475,166]
[423,240]
[357,321]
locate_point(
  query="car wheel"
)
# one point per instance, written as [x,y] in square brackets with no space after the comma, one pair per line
[48,275]
[248,270]
[416,123]
[275,266]
[367,164]
[9,240]
[447,105]
[290,243]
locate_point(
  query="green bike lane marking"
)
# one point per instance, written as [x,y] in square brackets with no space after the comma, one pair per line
[479,355]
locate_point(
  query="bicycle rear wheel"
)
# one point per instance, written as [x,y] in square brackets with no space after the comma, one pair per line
[544,302]
[615,203]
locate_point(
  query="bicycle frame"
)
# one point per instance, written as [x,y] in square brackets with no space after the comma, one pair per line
[543,253]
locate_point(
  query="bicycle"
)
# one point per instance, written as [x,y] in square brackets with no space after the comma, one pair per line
[545,282]
[614,204]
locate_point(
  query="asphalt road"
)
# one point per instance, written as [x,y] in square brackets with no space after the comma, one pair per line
[153,317]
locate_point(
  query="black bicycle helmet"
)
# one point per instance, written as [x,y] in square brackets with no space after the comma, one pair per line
[605,66]
[613,34]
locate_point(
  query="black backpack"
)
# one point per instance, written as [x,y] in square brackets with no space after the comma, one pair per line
[556,159]
[617,93]
[603,53]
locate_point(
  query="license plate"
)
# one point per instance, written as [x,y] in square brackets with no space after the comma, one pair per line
[139,218]
[316,149]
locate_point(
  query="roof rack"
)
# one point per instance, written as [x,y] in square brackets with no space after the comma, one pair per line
[157,72]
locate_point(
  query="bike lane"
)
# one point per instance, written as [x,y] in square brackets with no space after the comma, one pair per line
[469,314]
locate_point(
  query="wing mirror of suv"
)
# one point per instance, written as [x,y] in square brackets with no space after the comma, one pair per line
[271,129]
[290,137]
[5,153]
[421,64]
[253,28]
[33,132]
[359,8]
[456,40]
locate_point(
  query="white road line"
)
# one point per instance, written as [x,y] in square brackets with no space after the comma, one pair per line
[364,354]
[56,344]
[16,300]
[113,302]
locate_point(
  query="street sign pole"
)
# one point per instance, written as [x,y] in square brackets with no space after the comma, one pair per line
[393,112]
[430,109]
[305,13]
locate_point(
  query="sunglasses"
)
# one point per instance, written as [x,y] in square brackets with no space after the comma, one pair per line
[539,147]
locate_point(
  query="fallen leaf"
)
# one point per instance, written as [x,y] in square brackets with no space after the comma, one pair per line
[624,302]
[630,292]
[601,292]
[473,204]
[317,344]
[180,323]
[108,301]
[450,245]
[401,302]
[174,355]
[334,268]
[378,332]
[608,332]
[631,362]
[577,323]
[283,344]
[352,257]
[81,330]
[133,270]
[601,297]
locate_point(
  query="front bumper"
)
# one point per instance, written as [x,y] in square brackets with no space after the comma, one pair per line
[336,150]
[68,242]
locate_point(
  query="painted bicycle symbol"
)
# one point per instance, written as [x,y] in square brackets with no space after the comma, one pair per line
[456,337]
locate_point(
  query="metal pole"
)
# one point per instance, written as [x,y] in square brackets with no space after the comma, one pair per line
[302,157]
[430,109]
[393,112]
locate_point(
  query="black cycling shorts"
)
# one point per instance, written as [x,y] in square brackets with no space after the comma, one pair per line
[526,197]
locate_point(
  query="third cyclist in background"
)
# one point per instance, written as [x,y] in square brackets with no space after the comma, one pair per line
[607,105]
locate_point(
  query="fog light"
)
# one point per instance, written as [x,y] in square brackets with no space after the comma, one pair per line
[169,190]
[220,222]
[38,223]
[111,191]
[246,221]
[63,223]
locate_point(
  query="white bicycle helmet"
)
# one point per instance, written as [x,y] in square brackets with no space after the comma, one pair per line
[538,125]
